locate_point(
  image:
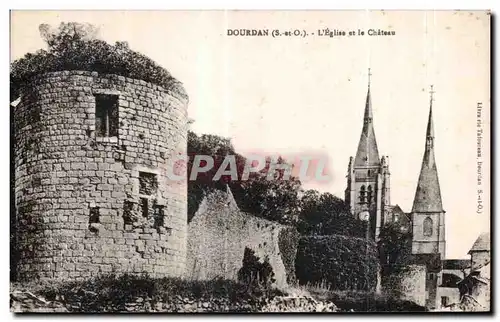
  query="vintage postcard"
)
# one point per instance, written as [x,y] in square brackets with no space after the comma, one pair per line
[250,161]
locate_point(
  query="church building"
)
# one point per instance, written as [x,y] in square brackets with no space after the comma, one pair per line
[368,196]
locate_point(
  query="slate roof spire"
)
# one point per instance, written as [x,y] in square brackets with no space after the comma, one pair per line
[428,194]
[482,243]
[367,154]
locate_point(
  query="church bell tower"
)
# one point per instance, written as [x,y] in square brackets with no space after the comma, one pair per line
[428,238]
[427,212]
[368,189]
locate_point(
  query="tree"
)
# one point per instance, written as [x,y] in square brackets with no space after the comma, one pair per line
[213,146]
[326,214]
[274,199]
[394,247]
[67,33]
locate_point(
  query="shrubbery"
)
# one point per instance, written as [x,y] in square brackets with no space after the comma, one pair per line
[340,262]
[394,247]
[254,273]
[114,292]
[73,47]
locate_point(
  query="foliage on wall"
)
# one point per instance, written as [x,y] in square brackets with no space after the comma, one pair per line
[73,46]
[340,262]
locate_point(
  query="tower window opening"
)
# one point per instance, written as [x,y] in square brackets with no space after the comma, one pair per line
[427,226]
[94,215]
[148,183]
[362,194]
[106,115]
[159,216]
[370,194]
[145,207]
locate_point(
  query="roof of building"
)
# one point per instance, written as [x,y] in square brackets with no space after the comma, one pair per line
[367,153]
[397,209]
[428,194]
[482,243]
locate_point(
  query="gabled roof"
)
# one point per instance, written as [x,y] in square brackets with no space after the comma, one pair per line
[482,243]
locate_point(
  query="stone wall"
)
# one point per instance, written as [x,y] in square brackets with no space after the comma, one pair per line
[27,302]
[407,284]
[219,233]
[90,203]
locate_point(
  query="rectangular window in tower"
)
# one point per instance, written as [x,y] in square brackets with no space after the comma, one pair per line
[145,207]
[106,115]
[94,215]
[444,301]
[148,183]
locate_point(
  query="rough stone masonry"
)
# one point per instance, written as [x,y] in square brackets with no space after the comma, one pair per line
[91,192]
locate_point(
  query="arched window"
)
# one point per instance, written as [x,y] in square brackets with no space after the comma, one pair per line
[362,194]
[427,226]
[370,192]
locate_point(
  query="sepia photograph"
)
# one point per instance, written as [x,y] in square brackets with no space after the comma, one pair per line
[237,161]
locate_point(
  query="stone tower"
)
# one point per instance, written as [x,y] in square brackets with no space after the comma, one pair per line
[428,220]
[368,188]
[92,196]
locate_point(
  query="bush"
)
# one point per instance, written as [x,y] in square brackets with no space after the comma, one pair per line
[343,263]
[113,292]
[254,273]
[71,48]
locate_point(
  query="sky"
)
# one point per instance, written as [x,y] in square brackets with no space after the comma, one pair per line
[306,95]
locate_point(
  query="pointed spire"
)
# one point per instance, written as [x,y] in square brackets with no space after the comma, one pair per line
[368,104]
[430,125]
[369,77]
[367,153]
[428,194]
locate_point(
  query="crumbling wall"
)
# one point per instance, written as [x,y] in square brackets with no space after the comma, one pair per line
[219,233]
[407,283]
[80,201]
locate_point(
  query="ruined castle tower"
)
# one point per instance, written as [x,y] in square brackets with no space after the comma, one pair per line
[92,153]
[368,188]
[428,243]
